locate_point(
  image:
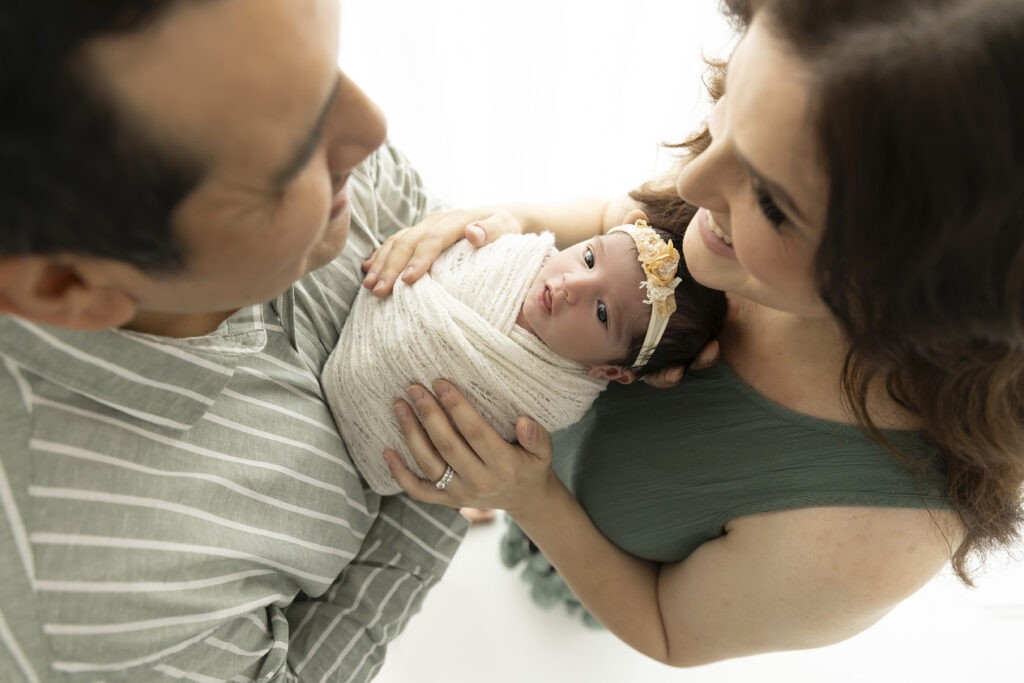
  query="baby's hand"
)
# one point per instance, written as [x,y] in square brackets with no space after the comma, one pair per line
[411,252]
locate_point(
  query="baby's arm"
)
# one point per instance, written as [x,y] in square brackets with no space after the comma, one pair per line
[411,252]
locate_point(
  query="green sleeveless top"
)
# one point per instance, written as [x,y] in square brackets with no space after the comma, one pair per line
[662,471]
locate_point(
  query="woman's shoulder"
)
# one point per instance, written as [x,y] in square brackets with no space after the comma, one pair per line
[798,364]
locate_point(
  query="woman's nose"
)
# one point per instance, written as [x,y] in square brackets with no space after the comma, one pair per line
[704,180]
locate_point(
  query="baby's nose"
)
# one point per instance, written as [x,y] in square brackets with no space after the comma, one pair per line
[575,286]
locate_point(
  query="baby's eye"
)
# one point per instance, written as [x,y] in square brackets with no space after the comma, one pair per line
[588,257]
[602,313]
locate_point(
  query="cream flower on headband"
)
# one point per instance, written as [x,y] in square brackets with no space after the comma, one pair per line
[660,261]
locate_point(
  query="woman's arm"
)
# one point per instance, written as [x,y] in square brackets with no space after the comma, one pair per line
[775,581]
[410,252]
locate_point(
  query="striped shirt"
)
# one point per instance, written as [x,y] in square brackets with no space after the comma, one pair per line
[185,508]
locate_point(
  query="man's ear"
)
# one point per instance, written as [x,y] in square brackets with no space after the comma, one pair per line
[52,291]
[634,216]
[613,373]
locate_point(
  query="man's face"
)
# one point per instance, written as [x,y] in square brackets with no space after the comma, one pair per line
[251,89]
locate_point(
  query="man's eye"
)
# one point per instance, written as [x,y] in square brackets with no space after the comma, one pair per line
[602,313]
[588,257]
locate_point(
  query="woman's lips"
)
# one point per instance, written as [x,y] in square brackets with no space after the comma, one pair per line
[715,243]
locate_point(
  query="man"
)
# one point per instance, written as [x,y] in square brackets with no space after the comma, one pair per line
[179,180]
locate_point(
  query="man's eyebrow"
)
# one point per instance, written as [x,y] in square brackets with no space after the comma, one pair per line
[305,150]
[773,188]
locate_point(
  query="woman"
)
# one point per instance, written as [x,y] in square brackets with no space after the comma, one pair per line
[861,199]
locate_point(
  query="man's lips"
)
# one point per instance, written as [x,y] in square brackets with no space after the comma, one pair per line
[340,199]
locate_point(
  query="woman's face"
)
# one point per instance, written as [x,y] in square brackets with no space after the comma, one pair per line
[760,185]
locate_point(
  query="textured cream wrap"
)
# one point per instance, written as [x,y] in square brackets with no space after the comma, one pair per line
[456,323]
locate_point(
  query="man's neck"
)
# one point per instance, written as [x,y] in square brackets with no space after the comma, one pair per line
[177,325]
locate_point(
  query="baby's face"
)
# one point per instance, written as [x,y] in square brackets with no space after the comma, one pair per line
[586,304]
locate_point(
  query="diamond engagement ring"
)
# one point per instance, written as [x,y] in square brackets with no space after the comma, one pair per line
[445,479]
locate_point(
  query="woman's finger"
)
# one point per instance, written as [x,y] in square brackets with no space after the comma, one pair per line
[380,257]
[485,443]
[424,255]
[489,229]
[446,443]
[368,261]
[417,488]
[534,439]
[420,446]
[393,263]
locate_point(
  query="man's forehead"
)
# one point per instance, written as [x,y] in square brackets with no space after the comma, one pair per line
[222,76]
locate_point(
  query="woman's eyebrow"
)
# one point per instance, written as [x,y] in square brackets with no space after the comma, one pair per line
[305,149]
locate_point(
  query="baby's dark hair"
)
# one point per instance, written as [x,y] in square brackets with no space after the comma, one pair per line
[698,318]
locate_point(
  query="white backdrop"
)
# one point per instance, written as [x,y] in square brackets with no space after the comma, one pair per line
[498,100]
[533,100]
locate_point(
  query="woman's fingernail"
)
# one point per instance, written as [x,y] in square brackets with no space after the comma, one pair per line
[409,270]
[379,287]
[478,231]
[442,388]
[416,393]
[531,430]
[401,410]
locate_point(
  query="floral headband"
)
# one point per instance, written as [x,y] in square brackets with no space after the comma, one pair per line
[660,261]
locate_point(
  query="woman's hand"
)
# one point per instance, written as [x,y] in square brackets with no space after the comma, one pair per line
[411,252]
[489,471]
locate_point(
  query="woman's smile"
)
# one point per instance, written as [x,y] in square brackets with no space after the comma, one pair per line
[713,235]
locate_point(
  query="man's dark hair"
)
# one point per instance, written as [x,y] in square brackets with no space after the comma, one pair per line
[75,175]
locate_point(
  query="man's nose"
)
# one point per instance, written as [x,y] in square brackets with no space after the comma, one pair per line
[354,127]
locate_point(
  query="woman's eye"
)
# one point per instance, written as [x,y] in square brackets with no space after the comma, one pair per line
[588,257]
[769,208]
[602,313]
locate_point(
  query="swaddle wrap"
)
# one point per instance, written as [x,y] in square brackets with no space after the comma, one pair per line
[458,322]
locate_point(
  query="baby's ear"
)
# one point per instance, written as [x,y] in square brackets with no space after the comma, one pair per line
[614,373]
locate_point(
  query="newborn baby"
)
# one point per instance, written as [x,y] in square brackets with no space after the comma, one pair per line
[522,329]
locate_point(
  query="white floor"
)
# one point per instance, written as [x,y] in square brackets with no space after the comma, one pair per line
[479,626]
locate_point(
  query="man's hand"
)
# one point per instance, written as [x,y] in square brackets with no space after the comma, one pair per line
[670,377]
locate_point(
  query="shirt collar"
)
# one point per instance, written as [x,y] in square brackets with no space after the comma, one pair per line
[168,382]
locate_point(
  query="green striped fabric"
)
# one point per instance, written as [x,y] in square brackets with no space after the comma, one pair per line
[186,509]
